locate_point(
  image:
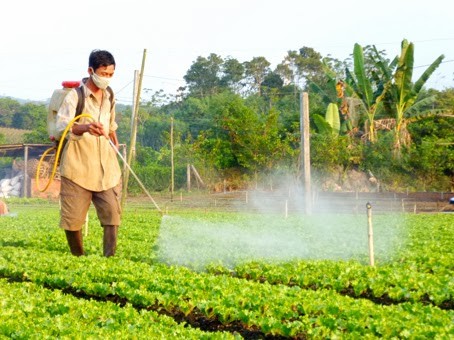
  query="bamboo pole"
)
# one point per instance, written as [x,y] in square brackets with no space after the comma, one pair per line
[25,186]
[132,146]
[123,152]
[188,177]
[371,234]
[172,179]
[197,176]
[134,116]
[305,150]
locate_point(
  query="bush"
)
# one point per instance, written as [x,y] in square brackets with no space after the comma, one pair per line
[328,152]
[156,177]
[433,163]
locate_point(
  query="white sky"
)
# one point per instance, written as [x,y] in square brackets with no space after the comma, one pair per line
[45,42]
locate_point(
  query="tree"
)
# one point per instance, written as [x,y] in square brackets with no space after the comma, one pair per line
[8,107]
[285,72]
[38,135]
[374,61]
[445,99]
[151,132]
[402,95]
[256,70]
[241,137]
[255,137]
[369,92]
[30,116]
[216,151]
[194,112]
[272,87]
[301,67]
[232,74]
[333,92]
[433,161]
[203,77]
[310,65]
[288,69]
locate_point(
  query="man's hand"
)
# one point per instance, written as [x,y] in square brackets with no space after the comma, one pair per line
[97,129]
[94,128]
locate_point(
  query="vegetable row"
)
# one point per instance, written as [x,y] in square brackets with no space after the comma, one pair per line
[29,311]
[272,309]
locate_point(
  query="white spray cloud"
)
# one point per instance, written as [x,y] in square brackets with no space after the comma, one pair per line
[232,238]
[275,226]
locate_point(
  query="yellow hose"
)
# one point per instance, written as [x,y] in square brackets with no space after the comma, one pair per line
[57,155]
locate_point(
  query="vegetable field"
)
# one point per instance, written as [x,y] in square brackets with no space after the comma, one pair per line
[214,275]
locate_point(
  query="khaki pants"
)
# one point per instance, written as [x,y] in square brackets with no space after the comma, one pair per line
[75,202]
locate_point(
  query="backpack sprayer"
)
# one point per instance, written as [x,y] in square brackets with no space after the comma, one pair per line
[57,99]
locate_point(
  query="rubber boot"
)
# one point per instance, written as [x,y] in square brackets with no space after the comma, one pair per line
[110,240]
[75,243]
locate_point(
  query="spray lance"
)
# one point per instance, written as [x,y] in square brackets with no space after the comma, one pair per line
[57,157]
[134,174]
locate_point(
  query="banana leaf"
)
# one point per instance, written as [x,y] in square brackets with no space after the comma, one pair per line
[332,118]
[364,86]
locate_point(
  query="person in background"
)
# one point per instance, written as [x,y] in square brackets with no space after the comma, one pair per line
[89,168]
[3,208]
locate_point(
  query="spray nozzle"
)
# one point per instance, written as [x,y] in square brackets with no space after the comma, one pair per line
[368,205]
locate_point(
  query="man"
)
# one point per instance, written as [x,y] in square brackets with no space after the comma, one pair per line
[89,167]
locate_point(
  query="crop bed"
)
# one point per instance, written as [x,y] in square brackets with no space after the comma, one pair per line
[154,288]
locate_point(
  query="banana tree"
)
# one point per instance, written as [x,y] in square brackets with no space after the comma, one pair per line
[370,91]
[330,124]
[332,93]
[402,94]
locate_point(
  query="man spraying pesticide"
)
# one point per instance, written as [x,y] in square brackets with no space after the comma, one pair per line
[89,168]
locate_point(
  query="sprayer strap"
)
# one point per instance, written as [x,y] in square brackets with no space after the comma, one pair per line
[81,99]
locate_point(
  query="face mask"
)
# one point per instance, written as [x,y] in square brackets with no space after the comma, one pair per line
[101,82]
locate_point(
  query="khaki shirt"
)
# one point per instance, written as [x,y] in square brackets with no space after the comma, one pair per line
[89,161]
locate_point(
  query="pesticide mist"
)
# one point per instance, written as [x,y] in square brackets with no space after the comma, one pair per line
[267,234]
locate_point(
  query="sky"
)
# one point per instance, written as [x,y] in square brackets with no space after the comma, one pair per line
[46,42]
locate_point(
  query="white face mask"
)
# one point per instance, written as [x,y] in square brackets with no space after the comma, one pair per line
[101,82]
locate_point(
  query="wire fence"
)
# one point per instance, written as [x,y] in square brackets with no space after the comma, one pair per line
[292,202]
